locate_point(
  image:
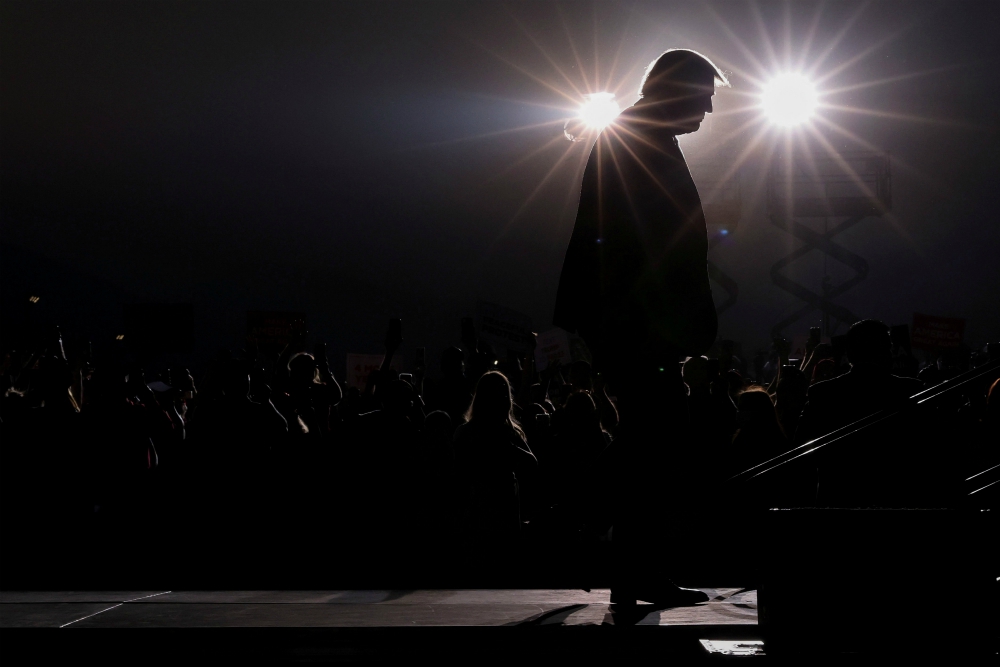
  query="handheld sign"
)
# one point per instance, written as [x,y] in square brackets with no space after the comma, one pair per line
[503,328]
[936,333]
[558,345]
[274,329]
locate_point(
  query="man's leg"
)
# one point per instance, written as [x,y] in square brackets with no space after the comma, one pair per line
[654,427]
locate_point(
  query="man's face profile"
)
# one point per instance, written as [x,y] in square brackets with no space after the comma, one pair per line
[682,106]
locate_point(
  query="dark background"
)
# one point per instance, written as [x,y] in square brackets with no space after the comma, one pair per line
[362,160]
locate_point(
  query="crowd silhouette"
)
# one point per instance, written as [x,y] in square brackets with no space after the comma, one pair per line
[491,471]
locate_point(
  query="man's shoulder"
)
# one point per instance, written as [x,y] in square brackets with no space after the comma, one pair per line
[829,387]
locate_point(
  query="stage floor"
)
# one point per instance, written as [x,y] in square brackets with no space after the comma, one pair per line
[358,609]
[368,626]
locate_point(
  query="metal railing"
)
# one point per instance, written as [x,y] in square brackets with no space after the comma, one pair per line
[809,453]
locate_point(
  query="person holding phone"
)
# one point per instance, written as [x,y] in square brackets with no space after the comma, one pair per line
[635,287]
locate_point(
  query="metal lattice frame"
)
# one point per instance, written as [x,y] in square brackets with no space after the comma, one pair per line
[845,189]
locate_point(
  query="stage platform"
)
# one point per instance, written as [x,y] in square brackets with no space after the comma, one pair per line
[370,625]
[357,609]
[438,626]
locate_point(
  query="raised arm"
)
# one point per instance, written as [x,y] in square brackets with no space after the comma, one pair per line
[323,363]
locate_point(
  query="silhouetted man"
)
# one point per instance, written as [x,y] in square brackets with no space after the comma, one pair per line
[635,286]
[866,389]
[882,466]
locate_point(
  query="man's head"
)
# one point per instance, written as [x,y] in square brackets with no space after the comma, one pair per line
[678,88]
[868,345]
[695,373]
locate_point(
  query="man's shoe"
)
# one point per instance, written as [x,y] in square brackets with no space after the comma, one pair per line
[623,598]
[665,596]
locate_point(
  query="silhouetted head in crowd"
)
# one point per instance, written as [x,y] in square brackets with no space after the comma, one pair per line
[302,369]
[534,414]
[581,412]
[438,426]
[581,375]
[536,394]
[869,347]
[757,415]
[398,397]
[237,380]
[561,394]
[492,404]
[824,370]
[677,89]
[930,375]
[792,387]
[695,374]
[453,363]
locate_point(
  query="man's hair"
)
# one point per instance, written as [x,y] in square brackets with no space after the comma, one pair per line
[867,342]
[679,67]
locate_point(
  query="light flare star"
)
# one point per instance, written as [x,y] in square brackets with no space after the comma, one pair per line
[789,99]
[599,110]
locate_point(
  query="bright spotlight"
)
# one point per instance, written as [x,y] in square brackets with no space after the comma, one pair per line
[599,110]
[789,99]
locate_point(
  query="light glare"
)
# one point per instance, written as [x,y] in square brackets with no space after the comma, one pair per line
[789,99]
[599,110]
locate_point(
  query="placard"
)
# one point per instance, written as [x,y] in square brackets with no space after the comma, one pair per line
[274,328]
[559,345]
[934,333]
[503,328]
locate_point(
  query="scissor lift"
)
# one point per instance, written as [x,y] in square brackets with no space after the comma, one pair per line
[842,190]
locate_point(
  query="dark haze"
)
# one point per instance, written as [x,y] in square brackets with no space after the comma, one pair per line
[354,161]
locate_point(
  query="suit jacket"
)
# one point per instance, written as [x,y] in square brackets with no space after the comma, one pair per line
[635,274]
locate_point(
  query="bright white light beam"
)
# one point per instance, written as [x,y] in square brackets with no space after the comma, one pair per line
[789,99]
[599,110]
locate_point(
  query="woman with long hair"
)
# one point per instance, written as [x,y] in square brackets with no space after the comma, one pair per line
[496,468]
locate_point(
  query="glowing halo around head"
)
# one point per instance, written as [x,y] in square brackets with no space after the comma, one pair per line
[599,110]
[789,99]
